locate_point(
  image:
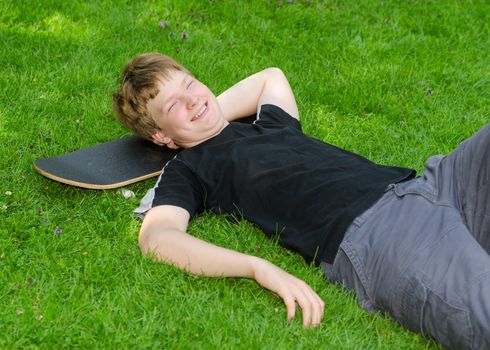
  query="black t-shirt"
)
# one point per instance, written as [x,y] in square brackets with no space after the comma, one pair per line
[302,190]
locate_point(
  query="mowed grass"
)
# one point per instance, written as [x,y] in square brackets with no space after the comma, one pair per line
[393,81]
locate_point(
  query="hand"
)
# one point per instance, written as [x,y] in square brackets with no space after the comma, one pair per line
[292,290]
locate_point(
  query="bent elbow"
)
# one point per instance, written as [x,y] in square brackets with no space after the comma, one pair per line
[274,71]
[144,239]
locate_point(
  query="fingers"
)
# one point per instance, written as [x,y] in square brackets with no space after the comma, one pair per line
[321,304]
[291,307]
[292,290]
[318,309]
[311,304]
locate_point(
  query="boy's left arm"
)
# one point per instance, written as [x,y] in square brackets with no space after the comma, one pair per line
[269,86]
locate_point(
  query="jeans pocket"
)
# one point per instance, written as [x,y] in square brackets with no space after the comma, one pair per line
[426,312]
[418,186]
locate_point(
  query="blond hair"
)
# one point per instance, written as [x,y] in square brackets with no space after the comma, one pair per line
[139,84]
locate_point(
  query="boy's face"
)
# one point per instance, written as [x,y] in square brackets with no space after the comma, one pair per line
[186,112]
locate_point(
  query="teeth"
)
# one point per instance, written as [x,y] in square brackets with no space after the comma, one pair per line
[201,111]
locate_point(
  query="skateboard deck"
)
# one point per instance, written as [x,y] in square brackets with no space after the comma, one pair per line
[107,165]
[111,164]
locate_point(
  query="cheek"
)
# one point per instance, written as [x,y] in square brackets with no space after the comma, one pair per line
[179,120]
[201,88]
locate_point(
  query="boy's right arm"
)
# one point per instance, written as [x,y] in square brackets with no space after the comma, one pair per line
[163,233]
[269,86]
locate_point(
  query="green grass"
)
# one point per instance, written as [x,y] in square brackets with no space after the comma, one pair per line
[394,81]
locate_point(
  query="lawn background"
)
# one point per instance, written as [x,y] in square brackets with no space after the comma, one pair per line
[393,81]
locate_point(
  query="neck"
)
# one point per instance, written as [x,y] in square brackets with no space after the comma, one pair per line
[191,144]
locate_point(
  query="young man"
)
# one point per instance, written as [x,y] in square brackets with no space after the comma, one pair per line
[413,247]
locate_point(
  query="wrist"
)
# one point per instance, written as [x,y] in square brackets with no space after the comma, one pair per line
[256,264]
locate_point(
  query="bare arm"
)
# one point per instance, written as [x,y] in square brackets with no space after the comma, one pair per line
[269,86]
[163,233]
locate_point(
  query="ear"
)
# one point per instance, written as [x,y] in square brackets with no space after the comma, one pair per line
[160,139]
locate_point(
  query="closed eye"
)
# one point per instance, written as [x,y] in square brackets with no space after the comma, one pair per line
[173,104]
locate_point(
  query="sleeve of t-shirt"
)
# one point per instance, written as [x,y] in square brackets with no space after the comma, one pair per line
[272,115]
[177,185]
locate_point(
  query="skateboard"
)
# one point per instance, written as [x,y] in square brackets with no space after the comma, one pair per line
[107,165]
[111,164]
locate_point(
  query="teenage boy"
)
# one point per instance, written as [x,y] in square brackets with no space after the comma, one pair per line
[413,247]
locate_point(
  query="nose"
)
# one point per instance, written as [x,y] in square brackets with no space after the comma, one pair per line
[191,100]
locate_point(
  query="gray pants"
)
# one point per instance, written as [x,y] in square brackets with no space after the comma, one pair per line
[421,253]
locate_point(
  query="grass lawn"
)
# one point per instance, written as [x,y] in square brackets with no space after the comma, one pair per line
[394,81]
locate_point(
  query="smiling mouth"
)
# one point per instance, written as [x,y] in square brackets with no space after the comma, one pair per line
[199,114]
